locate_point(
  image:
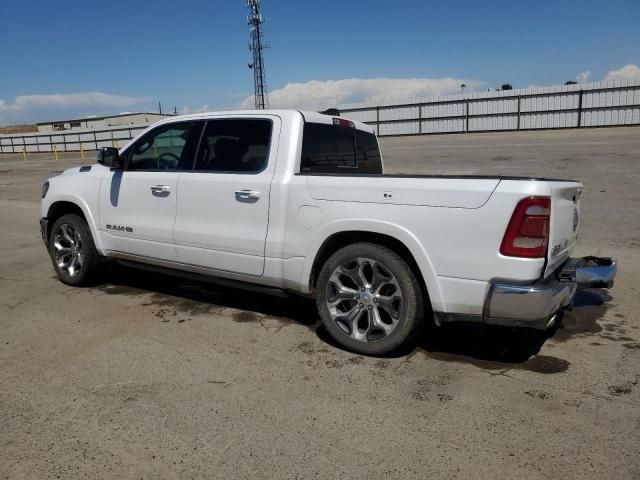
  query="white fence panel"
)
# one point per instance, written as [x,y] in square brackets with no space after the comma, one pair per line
[402,113]
[562,106]
[400,128]
[443,125]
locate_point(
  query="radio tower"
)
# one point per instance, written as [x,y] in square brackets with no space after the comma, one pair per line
[255,21]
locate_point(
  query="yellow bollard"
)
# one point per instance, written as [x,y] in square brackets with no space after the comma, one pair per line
[116,144]
[82,151]
[55,152]
[24,153]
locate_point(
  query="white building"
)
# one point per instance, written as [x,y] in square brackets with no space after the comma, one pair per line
[102,123]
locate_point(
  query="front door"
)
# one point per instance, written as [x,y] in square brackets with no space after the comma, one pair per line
[223,205]
[138,204]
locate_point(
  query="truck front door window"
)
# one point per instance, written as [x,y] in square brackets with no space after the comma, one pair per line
[168,147]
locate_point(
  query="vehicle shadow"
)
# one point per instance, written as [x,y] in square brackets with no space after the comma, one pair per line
[489,346]
[201,298]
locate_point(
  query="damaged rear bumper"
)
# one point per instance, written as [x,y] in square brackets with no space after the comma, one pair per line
[537,305]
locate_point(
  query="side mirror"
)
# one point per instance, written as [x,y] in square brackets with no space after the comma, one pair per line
[109,157]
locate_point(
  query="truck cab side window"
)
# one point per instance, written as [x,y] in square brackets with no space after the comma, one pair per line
[167,147]
[234,146]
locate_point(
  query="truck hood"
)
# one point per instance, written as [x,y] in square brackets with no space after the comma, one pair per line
[84,169]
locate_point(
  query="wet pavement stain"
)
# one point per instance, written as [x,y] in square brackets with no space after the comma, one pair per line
[618,390]
[495,349]
[334,364]
[427,390]
[120,290]
[545,364]
[590,306]
[309,348]
[382,365]
[195,298]
[355,360]
[245,317]
[538,394]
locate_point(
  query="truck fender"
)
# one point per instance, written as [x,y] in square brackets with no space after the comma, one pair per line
[88,215]
[384,228]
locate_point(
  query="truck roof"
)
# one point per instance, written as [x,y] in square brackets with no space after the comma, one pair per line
[309,116]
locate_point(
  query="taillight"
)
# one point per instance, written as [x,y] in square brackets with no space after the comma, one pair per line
[527,234]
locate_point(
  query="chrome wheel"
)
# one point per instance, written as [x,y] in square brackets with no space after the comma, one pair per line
[364,299]
[68,251]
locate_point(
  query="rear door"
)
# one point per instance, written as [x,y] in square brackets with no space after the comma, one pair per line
[138,204]
[223,205]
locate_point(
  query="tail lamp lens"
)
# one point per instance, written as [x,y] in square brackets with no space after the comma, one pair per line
[527,234]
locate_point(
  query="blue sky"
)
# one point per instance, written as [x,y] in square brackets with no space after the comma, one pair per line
[193,54]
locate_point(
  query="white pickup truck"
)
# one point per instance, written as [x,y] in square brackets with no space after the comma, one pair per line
[298,201]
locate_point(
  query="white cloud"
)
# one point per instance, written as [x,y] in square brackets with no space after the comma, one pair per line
[331,93]
[200,109]
[628,72]
[69,100]
[30,108]
[583,77]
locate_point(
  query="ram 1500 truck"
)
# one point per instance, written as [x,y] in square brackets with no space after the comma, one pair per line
[298,201]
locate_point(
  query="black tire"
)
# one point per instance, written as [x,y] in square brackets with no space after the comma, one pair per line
[86,270]
[408,323]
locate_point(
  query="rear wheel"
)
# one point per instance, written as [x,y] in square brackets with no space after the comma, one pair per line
[73,251]
[369,299]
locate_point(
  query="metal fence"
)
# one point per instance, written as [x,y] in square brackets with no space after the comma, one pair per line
[74,140]
[567,106]
[596,104]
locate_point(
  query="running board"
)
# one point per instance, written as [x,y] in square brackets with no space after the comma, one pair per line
[221,282]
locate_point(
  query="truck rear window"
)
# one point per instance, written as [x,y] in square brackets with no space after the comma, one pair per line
[335,149]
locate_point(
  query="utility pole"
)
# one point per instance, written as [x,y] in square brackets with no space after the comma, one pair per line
[255,21]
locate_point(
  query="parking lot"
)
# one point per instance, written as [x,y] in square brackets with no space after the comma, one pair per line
[153,377]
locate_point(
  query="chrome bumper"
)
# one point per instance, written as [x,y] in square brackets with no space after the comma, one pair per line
[537,305]
[590,272]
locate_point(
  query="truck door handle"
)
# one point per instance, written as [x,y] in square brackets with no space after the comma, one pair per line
[247,194]
[160,188]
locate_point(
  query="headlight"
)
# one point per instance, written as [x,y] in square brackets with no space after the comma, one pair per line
[45,189]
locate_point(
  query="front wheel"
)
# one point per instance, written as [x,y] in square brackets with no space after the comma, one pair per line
[369,299]
[73,251]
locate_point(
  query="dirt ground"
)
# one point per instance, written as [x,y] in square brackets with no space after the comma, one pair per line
[152,377]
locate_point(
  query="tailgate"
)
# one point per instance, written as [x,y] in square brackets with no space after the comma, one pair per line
[565,222]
